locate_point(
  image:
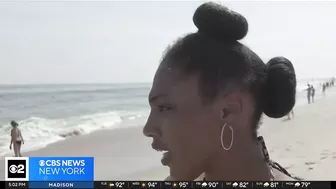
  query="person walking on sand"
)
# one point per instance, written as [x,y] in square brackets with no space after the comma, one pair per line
[323,89]
[16,139]
[308,93]
[312,93]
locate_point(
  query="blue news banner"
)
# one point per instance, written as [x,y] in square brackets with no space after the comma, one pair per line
[78,172]
[50,172]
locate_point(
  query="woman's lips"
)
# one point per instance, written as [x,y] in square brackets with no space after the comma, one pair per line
[161,147]
[166,158]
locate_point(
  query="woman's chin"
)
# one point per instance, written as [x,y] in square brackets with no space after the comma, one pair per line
[182,175]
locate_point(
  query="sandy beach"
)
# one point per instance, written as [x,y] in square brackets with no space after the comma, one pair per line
[76,77]
[305,145]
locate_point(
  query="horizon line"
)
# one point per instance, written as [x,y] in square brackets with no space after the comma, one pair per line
[102,83]
[121,83]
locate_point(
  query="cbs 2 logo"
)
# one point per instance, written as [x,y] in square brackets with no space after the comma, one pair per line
[17,169]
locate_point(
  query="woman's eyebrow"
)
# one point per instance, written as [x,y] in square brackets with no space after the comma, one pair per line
[153,98]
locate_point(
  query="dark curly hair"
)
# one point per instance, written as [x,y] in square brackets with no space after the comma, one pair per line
[14,123]
[224,64]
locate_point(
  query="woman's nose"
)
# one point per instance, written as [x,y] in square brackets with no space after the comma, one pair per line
[151,129]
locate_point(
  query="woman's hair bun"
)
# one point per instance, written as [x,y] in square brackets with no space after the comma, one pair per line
[280,87]
[218,21]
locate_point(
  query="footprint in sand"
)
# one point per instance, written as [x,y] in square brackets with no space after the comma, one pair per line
[324,154]
[310,163]
[299,142]
[310,168]
[324,157]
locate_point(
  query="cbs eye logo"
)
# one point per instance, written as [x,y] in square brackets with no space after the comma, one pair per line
[16,169]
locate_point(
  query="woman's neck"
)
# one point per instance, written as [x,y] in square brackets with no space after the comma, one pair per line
[243,163]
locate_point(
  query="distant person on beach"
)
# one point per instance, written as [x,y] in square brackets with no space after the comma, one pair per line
[16,139]
[323,89]
[207,98]
[308,93]
[312,93]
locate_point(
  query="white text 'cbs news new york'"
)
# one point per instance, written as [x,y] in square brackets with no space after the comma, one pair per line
[66,167]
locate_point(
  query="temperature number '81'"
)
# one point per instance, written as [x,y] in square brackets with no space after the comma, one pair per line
[274,184]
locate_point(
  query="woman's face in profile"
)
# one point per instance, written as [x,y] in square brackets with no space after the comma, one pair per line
[180,123]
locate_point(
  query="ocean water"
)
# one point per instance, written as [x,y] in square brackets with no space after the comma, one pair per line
[50,113]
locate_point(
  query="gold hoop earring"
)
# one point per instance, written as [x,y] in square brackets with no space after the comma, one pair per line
[222,142]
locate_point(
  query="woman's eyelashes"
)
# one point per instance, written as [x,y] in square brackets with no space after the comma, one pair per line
[163,108]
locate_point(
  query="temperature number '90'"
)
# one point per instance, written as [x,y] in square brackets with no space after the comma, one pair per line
[212,184]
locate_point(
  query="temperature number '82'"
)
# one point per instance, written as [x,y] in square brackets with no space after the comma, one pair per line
[243,184]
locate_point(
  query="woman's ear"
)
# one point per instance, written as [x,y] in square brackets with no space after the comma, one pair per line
[224,113]
[231,106]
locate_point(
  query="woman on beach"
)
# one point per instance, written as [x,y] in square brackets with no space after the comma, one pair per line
[308,92]
[323,89]
[16,139]
[312,93]
[207,98]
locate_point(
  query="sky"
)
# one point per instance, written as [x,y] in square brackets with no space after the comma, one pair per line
[59,42]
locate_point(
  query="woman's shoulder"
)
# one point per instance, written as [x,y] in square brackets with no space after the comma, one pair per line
[12,133]
[280,173]
[280,176]
[200,178]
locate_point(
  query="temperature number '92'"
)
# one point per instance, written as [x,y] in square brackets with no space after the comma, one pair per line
[119,184]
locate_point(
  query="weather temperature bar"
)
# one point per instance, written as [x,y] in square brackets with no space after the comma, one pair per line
[213,184]
[177,184]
